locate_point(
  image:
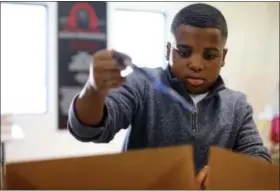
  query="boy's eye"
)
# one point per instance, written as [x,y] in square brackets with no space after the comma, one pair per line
[185,51]
[210,54]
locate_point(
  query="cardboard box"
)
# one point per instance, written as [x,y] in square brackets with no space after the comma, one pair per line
[150,169]
[235,171]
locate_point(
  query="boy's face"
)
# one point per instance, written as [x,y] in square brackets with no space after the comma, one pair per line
[196,56]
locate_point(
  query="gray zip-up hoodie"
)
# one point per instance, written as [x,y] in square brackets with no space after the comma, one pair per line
[223,118]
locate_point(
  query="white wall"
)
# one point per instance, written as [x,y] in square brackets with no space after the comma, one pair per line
[253,53]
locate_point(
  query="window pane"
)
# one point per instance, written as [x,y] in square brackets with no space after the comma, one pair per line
[141,35]
[23,58]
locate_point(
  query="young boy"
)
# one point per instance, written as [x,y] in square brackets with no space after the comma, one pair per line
[222,118]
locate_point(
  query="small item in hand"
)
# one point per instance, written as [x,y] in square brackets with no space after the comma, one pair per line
[121,59]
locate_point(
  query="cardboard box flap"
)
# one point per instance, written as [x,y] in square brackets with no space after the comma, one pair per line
[235,171]
[162,168]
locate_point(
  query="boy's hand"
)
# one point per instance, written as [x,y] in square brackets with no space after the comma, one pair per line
[105,73]
[201,178]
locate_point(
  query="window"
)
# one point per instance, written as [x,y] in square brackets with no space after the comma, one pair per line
[23,58]
[141,35]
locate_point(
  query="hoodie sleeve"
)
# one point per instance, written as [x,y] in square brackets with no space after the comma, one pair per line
[248,139]
[120,107]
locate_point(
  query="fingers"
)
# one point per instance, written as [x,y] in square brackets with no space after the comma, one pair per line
[105,72]
[107,75]
[109,54]
[205,182]
[103,55]
[202,176]
[107,79]
[106,65]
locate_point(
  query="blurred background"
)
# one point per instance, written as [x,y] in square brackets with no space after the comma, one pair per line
[46,48]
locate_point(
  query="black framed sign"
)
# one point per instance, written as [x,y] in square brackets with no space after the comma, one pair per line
[82,30]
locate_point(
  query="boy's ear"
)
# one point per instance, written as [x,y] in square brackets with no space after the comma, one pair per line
[225,50]
[168,50]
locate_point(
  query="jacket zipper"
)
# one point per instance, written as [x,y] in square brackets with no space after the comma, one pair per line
[195,127]
[194,121]
[194,118]
[194,114]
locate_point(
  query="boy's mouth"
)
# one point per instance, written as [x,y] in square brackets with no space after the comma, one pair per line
[195,81]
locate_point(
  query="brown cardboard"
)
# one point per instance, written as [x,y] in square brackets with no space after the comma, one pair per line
[235,171]
[150,169]
[166,168]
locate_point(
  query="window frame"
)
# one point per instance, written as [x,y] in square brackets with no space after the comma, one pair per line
[47,53]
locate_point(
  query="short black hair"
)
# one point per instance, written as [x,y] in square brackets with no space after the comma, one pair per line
[201,15]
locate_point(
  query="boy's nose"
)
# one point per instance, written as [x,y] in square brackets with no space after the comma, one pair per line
[195,63]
